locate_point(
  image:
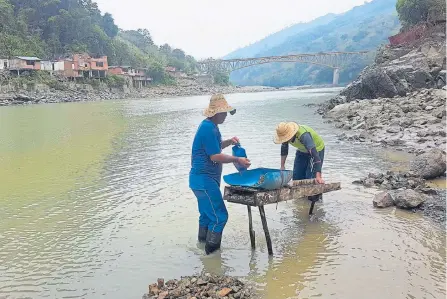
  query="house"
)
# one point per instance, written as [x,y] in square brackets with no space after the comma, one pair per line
[141,79]
[52,66]
[20,64]
[122,70]
[90,66]
[138,77]
[4,64]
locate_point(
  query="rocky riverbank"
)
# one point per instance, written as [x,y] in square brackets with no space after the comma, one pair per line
[414,123]
[395,103]
[205,285]
[84,92]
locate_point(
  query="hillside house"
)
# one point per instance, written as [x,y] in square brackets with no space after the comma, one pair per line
[90,67]
[21,64]
[4,64]
[138,77]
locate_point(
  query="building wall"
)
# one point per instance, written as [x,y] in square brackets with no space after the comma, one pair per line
[2,64]
[21,64]
[46,65]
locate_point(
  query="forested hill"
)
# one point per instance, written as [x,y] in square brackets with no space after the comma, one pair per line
[55,28]
[364,27]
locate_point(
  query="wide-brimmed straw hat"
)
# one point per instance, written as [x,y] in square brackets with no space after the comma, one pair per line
[285,131]
[218,104]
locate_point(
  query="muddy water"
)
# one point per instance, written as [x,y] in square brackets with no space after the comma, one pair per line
[95,204]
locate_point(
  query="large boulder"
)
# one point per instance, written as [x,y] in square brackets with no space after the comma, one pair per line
[383,200]
[372,83]
[429,165]
[408,199]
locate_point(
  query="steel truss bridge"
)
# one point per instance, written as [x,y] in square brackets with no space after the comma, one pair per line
[332,60]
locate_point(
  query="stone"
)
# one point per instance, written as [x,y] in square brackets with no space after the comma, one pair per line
[224,292]
[429,108]
[408,199]
[429,165]
[369,182]
[383,200]
[201,282]
[160,283]
[163,295]
[393,130]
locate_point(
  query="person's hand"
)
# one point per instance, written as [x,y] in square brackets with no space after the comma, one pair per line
[244,162]
[319,179]
[234,140]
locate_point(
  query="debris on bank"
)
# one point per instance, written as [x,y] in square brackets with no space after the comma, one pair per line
[205,285]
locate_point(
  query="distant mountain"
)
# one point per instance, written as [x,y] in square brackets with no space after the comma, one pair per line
[278,38]
[364,27]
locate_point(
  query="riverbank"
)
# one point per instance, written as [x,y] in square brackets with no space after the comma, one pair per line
[66,92]
[394,103]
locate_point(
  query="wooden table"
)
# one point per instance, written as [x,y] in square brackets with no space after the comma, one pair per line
[251,197]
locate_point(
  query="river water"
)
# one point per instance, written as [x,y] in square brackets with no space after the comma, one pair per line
[95,204]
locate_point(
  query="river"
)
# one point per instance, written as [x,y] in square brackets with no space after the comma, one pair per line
[95,204]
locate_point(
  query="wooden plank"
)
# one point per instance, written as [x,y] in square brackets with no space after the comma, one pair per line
[255,197]
[250,229]
[283,194]
[266,230]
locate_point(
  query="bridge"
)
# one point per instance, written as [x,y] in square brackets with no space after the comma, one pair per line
[333,60]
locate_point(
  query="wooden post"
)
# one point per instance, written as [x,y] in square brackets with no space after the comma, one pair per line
[250,229]
[266,230]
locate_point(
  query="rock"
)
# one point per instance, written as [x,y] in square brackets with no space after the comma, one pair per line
[408,199]
[429,108]
[383,200]
[163,295]
[160,283]
[429,165]
[369,182]
[224,292]
[393,130]
[201,282]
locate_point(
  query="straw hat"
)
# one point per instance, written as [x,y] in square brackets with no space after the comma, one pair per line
[218,104]
[285,131]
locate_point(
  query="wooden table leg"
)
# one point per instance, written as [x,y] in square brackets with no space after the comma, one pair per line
[250,228]
[266,230]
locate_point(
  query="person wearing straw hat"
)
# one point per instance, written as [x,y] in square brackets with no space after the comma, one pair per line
[206,170]
[310,150]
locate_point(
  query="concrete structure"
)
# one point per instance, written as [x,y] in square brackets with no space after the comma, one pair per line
[4,64]
[53,66]
[20,64]
[90,67]
[138,77]
[333,60]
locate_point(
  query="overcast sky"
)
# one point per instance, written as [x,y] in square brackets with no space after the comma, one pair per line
[207,28]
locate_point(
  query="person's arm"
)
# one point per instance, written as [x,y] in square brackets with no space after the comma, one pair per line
[213,150]
[309,143]
[228,142]
[284,153]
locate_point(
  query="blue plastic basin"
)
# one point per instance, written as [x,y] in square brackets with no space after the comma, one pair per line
[259,178]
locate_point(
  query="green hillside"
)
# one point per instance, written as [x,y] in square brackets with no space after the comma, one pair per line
[52,29]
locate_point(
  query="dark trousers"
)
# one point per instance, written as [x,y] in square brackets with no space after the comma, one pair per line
[303,165]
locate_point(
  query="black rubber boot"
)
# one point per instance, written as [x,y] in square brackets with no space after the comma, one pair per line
[203,230]
[213,240]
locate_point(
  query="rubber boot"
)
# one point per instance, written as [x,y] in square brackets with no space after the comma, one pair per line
[203,230]
[213,240]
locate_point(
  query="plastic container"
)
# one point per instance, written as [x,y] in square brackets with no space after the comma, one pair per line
[239,151]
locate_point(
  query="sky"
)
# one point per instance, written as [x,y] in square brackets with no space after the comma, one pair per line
[207,28]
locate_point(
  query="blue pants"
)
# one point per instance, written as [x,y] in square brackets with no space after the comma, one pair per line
[303,165]
[212,209]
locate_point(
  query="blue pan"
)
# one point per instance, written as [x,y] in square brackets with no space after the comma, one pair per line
[259,178]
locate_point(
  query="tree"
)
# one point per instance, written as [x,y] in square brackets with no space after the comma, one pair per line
[412,12]
[109,25]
